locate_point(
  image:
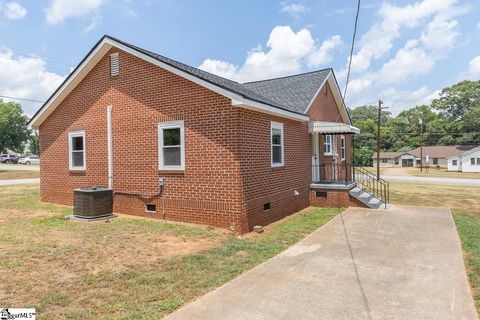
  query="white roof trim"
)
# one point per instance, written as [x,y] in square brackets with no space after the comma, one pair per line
[255,106]
[465,153]
[331,127]
[107,43]
[336,94]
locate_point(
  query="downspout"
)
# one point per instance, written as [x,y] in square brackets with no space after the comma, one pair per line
[109,147]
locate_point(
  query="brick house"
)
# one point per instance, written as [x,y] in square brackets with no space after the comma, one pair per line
[229,155]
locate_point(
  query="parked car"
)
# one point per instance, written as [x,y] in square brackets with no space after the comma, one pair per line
[8,158]
[14,159]
[29,160]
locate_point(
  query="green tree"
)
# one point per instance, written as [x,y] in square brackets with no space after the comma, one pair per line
[459,105]
[13,126]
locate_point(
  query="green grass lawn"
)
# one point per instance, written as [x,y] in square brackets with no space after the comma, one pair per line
[465,205]
[129,268]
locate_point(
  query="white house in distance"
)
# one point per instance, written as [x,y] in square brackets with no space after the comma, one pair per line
[468,161]
[432,156]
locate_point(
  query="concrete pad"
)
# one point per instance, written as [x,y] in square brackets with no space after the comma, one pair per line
[403,263]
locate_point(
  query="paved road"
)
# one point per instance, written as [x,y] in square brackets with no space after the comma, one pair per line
[31,167]
[405,263]
[430,180]
[19,182]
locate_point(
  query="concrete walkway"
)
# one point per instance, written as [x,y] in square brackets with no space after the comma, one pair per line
[430,180]
[19,167]
[19,182]
[405,263]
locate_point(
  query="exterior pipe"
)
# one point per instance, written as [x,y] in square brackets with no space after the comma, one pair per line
[109,147]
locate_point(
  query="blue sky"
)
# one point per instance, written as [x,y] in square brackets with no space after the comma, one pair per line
[405,51]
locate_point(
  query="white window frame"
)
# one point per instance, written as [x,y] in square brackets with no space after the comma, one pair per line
[74,134]
[277,125]
[329,144]
[171,125]
[343,147]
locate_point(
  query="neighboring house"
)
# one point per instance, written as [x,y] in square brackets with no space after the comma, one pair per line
[468,161]
[433,156]
[394,159]
[228,154]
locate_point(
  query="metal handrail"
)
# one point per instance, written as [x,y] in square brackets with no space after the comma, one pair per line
[338,173]
[372,184]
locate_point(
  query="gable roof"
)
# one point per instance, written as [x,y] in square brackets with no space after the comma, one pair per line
[441,151]
[295,91]
[288,97]
[466,153]
[389,155]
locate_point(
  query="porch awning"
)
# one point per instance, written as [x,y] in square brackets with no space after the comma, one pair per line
[331,127]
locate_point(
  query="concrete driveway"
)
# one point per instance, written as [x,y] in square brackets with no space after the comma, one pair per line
[405,263]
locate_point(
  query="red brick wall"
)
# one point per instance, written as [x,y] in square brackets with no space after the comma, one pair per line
[333,199]
[228,175]
[208,191]
[277,185]
[324,107]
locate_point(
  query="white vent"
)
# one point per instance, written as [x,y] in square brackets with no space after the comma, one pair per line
[114,65]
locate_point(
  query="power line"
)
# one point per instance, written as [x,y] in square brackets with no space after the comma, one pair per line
[23,99]
[351,50]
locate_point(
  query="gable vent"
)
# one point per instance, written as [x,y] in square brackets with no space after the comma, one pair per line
[114,65]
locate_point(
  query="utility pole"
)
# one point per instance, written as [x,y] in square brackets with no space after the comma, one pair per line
[380,108]
[420,120]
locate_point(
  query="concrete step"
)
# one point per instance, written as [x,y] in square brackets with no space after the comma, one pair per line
[366,198]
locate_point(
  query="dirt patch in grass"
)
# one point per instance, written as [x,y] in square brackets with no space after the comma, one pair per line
[18,174]
[128,268]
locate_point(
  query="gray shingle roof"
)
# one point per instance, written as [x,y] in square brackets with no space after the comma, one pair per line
[295,91]
[291,93]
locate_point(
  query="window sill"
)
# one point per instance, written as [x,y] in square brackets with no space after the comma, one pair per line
[172,171]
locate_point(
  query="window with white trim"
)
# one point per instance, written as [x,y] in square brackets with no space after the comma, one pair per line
[454,162]
[343,147]
[327,144]
[76,150]
[276,133]
[171,145]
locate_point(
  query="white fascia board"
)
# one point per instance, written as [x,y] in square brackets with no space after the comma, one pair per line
[260,107]
[236,98]
[71,83]
[108,43]
[318,91]
[336,94]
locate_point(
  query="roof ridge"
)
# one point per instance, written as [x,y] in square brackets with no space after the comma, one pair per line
[289,76]
[165,57]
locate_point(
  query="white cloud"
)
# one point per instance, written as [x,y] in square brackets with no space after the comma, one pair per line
[438,33]
[323,54]
[473,72]
[399,100]
[288,52]
[13,10]
[377,42]
[294,9]
[31,80]
[59,10]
